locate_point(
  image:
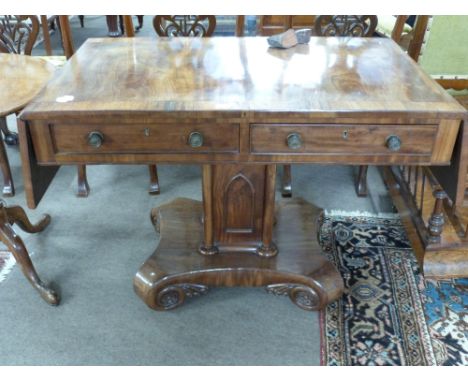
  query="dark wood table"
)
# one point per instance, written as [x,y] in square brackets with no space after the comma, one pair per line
[238,109]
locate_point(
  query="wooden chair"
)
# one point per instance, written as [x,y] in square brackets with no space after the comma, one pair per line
[67,42]
[18,35]
[322,25]
[184,26]
[195,26]
[48,22]
[268,25]
[350,26]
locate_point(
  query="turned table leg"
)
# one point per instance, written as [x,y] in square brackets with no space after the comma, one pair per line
[154,182]
[361,181]
[286,187]
[112,26]
[83,186]
[16,214]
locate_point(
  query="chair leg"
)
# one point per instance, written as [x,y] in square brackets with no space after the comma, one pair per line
[154,183]
[361,181]
[83,186]
[81,17]
[140,23]
[16,246]
[11,138]
[8,187]
[286,188]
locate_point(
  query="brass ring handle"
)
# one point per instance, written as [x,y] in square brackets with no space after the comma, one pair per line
[195,139]
[95,139]
[294,141]
[393,143]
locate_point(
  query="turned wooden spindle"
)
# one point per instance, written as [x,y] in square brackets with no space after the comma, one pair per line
[436,222]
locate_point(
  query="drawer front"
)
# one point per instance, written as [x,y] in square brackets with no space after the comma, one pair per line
[342,139]
[76,139]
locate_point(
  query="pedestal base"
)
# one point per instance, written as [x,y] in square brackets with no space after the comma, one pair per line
[176,270]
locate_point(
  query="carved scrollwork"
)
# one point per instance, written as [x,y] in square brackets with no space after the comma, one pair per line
[303,296]
[184,26]
[174,295]
[18,33]
[345,25]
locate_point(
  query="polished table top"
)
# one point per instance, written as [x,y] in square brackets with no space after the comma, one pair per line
[22,77]
[329,75]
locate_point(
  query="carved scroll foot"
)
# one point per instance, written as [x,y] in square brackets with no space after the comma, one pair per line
[17,215]
[83,186]
[173,296]
[177,270]
[16,246]
[361,182]
[48,293]
[305,297]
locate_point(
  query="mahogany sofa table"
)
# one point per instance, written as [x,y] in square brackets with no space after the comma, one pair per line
[238,109]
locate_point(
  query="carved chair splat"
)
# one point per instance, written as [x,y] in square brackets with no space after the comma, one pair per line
[172,26]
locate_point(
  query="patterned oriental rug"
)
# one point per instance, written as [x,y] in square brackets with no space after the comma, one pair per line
[388,315]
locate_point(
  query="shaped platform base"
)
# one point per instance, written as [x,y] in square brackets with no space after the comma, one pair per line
[176,270]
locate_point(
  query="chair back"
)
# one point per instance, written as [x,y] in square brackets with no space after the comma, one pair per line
[345,25]
[444,51]
[18,33]
[321,25]
[268,25]
[184,26]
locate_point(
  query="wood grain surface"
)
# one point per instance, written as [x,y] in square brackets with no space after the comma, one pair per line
[329,75]
[22,77]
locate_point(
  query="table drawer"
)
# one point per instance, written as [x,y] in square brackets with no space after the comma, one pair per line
[167,138]
[342,139]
